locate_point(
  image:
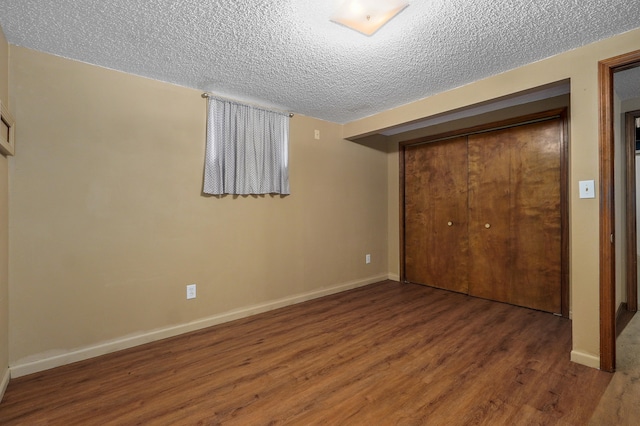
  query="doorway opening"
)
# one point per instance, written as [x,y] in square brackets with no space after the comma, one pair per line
[631,132]
[606,70]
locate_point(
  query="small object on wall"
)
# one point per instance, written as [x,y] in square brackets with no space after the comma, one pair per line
[587,189]
[191,291]
[7,130]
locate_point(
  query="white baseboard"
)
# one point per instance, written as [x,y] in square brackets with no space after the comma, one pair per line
[4,383]
[22,369]
[585,359]
[393,277]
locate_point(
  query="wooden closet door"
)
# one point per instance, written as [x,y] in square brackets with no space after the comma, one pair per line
[515,217]
[435,214]
[490,251]
[536,216]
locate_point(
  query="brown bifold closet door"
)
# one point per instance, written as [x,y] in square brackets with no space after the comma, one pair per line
[435,214]
[536,219]
[515,248]
[490,248]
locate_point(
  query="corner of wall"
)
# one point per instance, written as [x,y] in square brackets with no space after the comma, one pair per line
[585,359]
[4,382]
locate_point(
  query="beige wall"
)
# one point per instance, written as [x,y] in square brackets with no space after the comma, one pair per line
[108,224]
[580,66]
[4,227]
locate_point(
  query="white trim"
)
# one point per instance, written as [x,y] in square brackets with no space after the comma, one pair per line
[22,369]
[585,359]
[4,383]
[393,277]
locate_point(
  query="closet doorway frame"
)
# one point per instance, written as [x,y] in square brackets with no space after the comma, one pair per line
[562,114]
[606,143]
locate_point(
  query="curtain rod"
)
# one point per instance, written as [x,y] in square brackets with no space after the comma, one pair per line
[206,95]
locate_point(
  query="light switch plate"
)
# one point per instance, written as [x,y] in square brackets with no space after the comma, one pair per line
[587,189]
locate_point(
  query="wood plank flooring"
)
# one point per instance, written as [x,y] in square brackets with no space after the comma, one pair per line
[383,354]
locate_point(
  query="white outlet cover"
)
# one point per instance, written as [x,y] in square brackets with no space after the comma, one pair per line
[191,291]
[587,189]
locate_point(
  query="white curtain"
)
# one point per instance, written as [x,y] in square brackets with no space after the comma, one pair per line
[247,150]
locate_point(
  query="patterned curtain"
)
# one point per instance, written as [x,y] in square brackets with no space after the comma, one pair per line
[247,150]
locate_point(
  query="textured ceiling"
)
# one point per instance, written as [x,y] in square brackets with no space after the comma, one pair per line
[286,54]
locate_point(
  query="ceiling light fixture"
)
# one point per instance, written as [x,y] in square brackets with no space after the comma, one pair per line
[367,16]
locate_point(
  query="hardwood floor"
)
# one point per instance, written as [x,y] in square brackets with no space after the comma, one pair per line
[387,353]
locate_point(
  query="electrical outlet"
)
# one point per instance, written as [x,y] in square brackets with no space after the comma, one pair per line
[367,259]
[191,291]
[316,134]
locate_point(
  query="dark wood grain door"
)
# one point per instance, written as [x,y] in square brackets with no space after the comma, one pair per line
[536,216]
[515,215]
[435,214]
[490,248]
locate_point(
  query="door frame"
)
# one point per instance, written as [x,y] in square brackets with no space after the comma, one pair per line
[564,183]
[606,143]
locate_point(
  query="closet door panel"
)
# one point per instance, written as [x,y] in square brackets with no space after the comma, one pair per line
[435,221]
[489,225]
[536,216]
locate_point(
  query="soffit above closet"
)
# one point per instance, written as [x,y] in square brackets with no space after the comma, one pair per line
[536,94]
[288,55]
